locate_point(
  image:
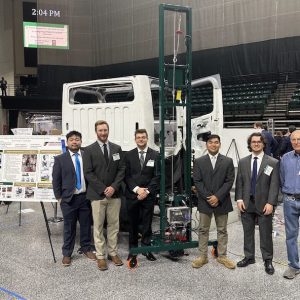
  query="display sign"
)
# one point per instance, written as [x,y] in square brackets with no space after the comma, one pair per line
[46,35]
[26,164]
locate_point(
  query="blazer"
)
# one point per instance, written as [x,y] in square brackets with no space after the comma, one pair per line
[217,181]
[147,177]
[99,175]
[64,177]
[267,186]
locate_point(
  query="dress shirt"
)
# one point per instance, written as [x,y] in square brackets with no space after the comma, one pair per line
[290,173]
[83,187]
[213,159]
[259,160]
[144,154]
[102,148]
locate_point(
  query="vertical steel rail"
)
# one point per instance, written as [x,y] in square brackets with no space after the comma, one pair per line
[162,107]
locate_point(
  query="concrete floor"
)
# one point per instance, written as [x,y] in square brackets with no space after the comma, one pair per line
[27,270]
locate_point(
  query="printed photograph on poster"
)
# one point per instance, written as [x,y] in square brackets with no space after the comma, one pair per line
[29,192]
[29,162]
[46,166]
[19,192]
[28,177]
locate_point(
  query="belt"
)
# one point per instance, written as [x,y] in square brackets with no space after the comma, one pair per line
[296,196]
[80,194]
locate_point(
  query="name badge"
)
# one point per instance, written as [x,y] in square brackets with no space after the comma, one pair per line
[268,170]
[116,156]
[150,163]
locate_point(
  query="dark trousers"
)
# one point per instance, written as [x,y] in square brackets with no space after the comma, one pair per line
[79,208]
[265,234]
[140,211]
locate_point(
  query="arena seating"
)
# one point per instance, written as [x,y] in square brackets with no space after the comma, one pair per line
[294,103]
[238,99]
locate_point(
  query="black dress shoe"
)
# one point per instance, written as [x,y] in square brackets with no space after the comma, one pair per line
[149,256]
[269,267]
[245,262]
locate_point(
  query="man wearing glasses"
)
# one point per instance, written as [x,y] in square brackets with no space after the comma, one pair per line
[256,193]
[290,184]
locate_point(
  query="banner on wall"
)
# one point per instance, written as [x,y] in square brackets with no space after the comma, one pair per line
[26,164]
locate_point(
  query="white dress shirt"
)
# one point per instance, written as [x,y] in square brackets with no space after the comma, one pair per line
[213,159]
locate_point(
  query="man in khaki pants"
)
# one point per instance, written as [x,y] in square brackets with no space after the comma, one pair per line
[104,171]
[213,178]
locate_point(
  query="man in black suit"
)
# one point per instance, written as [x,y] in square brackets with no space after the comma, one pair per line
[256,193]
[142,180]
[70,190]
[104,171]
[213,178]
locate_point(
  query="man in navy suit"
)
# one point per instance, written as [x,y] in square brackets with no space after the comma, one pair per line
[70,190]
[104,171]
[142,180]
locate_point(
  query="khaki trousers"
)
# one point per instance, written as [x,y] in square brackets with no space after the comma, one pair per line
[109,208]
[222,236]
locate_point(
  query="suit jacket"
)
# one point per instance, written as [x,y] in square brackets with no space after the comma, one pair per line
[267,186]
[271,143]
[64,177]
[147,177]
[217,181]
[99,175]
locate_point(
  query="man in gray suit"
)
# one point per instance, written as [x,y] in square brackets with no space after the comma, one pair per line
[256,193]
[104,171]
[213,178]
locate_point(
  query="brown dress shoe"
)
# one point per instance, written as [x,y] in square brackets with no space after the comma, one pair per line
[116,260]
[90,255]
[102,265]
[66,261]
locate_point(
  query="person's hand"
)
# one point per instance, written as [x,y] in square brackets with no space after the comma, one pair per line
[142,193]
[213,200]
[268,209]
[241,206]
[109,191]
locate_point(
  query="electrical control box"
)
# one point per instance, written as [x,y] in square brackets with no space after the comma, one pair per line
[179,215]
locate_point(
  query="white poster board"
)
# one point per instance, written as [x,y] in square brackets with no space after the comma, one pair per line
[26,164]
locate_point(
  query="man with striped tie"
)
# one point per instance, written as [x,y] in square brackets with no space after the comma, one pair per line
[70,190]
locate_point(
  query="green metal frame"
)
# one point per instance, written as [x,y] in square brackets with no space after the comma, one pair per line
[182,72]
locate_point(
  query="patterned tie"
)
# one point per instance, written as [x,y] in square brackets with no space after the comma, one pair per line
[142,160]
[78,172]
[105,152]
[253,177]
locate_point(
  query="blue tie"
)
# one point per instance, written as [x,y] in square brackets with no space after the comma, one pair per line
[253,177]
[78,172]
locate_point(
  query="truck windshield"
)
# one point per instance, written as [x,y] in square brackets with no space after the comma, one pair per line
[102,93]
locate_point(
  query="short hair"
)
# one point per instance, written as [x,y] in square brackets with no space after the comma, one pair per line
[101,122]
[258,124]
[292,128]
[213,136]
[262,139]
[73,132]
[140,131]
